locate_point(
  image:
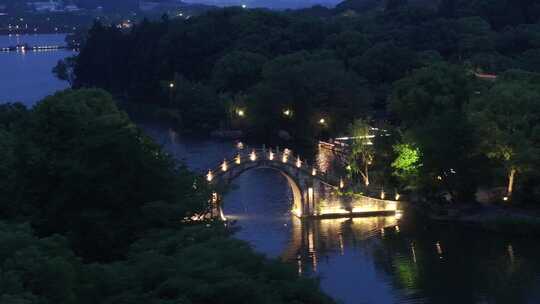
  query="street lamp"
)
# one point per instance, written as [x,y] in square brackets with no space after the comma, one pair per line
[287,113]
[240,113]
[171,85]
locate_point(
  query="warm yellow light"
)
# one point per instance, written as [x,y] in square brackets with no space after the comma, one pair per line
[349,167]
[439,177]
[241,113]
[314,172]
[287,112]
[383,195]
[341,183]
[238,159]
[253,156]
[214,197]
[224,166]
[284,158]
[240,145]
[505,198]
[298,162]
[322,121]
[209,176]
[271,155]
[367,183]
[397,196]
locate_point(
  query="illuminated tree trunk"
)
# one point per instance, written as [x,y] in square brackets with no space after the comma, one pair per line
[511,179]
[366,174]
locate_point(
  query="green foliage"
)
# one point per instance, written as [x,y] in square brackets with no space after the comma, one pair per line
[362,153]
[198,106]
[313,86]
[407,163]
[431,104]
[237,71]
[83,167]
[506,119]
[108,210]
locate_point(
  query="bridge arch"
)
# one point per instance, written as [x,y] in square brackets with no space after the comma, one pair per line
[293,183]
[314,194]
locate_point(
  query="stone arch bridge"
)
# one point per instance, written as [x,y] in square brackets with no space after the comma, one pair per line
[315,194]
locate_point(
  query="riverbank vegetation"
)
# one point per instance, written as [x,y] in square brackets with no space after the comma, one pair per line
[92,211]
[454,82]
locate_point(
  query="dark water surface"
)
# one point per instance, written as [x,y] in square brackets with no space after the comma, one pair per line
[371,260]
[361,260]
[26,76]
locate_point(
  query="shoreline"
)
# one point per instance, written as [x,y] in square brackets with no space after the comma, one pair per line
[504,220]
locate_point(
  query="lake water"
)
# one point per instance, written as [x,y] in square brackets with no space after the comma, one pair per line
[26,76]
[362,260]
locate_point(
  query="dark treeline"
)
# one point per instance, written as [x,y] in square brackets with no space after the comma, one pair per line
[425,71]
[92,211]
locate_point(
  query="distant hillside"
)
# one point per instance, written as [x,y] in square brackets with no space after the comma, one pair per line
[363,5]
[358,5]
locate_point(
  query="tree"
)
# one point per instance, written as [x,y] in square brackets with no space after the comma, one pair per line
[384,63]
[407,163]
[362,154]
[237,71]
[200,108]
[431,106]
[506,118]
[87,171]
[64,70]
[314,86]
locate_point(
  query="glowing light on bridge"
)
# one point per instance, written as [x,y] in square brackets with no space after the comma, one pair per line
[284,158]
[383,195]
[314,172]
[298,162]
[397,197]
[224,166]
[238,159]
[240,112]
[209,176]
[341,183]
[322,121]
[271,155]
[253,156]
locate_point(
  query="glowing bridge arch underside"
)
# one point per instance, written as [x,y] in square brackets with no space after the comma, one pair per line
[314,194]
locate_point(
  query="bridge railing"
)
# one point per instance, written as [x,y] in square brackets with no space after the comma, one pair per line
[287,157]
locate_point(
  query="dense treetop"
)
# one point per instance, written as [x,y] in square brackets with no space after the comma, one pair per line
[92,211]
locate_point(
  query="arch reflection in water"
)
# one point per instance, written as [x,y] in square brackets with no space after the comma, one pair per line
[312,240]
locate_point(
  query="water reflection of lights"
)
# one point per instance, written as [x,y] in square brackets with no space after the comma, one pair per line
[312,238]
[439,249]
[510,250]
[413,253]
